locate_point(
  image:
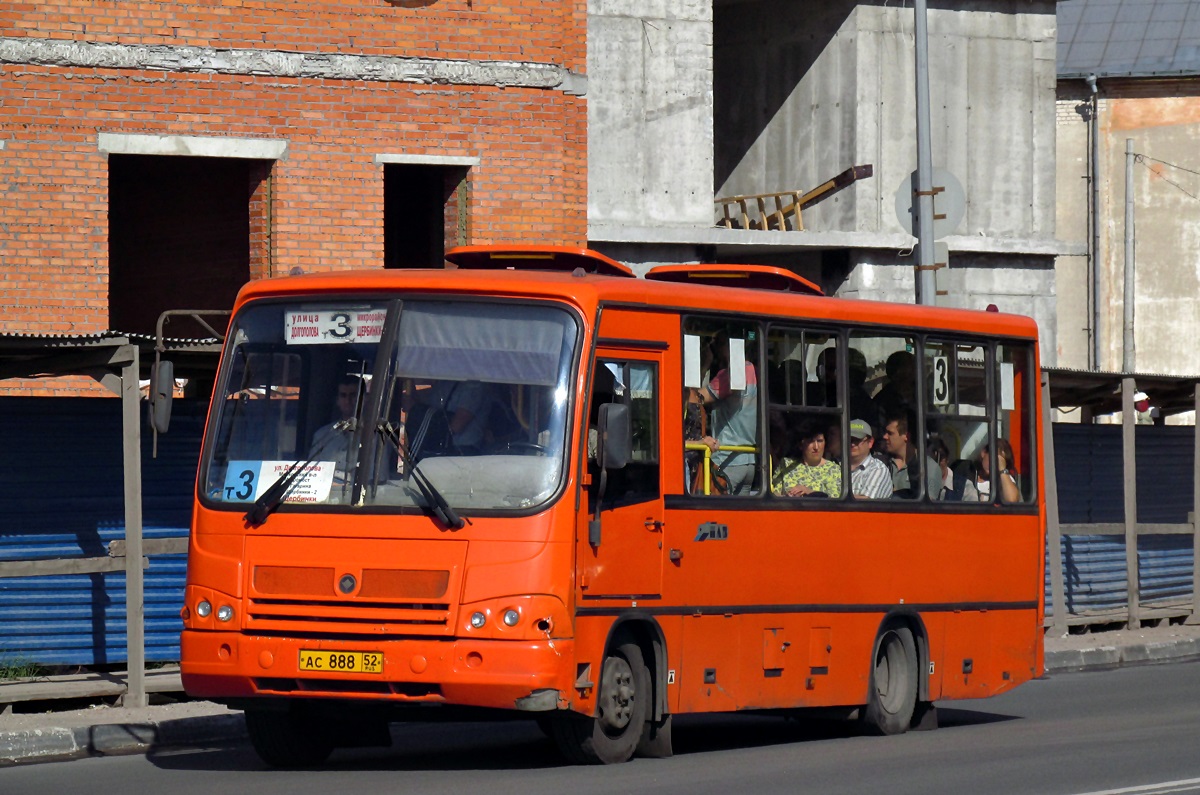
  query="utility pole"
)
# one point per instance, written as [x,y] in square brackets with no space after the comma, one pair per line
[1128,360]
[926,284]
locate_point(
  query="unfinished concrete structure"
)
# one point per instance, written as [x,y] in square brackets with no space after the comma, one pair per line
[1129,71]
[689,101]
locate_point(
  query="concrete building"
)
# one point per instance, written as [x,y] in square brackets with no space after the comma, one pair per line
[1129,71]
[157,155]
[689,101]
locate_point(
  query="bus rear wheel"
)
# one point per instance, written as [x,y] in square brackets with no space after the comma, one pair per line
[622,701]
[892,692]
[288,739]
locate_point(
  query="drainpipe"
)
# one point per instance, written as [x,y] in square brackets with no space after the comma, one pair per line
[1094,218]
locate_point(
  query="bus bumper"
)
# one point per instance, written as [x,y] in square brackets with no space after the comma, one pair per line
[501,674]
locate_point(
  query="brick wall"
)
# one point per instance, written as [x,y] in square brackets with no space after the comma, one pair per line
[486,83]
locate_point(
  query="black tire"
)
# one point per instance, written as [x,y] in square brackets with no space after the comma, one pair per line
[288,739]
[622,704]
[892,688]
[656,740]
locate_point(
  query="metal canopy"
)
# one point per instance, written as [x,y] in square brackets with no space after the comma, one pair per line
[39,355]
[1100,392]
[115,361]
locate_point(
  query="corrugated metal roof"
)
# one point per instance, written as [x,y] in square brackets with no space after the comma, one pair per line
[110,337]
[1101,391]
[1128,38]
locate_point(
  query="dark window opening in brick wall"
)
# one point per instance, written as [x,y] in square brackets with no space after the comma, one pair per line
[184,233]
[424,213]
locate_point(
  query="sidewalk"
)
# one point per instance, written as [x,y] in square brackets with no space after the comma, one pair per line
[53,735]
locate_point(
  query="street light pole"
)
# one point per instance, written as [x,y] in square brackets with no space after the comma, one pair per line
[926,284]
[1129,359]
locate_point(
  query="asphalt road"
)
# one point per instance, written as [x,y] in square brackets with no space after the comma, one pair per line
[1132,730]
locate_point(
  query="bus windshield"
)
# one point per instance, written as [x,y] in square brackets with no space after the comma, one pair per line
[367,403]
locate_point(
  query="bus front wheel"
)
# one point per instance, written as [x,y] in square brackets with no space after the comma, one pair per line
[622,700]
[892,693]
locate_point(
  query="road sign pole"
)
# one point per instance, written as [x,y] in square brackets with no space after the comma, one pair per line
[926,284]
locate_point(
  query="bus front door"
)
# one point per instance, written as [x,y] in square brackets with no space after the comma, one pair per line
[627,560]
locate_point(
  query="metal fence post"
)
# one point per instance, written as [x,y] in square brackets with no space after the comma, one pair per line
[131,443]
[1058,598]
[1129,471]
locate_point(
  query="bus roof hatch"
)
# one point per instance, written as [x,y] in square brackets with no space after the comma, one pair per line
[754,277]
[540,258]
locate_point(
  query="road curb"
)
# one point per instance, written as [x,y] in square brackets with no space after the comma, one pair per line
[113,739]
[1104,658]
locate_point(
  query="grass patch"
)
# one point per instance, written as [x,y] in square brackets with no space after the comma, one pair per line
[15,669]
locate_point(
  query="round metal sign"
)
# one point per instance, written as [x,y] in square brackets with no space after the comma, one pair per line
[950,202]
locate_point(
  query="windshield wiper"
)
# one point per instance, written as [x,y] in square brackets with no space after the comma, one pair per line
[433,498]
[272,498]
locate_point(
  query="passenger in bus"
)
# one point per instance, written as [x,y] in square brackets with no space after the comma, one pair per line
[899,393]
[695,428]
[734,420]
[906,464]
[833,441]
[332,442]
[870,477]
[811,474]
[1006,474]
[859,400]
[956,486]
[781,445]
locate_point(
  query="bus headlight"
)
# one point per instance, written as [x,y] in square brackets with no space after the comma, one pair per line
[224,613]
[204,608]
[478,620]
[511,618]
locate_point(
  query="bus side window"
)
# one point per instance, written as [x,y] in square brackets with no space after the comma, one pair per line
[721,365]
[892,372]
[634,384]
[956,413]
[804,432]
[1015,389]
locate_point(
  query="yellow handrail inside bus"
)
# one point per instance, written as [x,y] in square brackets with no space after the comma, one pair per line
[701,446]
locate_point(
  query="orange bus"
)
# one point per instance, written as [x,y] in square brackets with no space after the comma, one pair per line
[538,484]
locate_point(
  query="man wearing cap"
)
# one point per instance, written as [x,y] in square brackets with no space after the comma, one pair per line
[870,478]
[1141,405]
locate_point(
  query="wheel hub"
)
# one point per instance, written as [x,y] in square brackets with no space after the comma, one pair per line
[617,695]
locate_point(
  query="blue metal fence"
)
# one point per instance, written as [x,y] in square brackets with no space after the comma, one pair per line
[61,496]
[1091,490]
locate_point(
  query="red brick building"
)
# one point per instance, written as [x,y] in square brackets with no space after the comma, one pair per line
[156,155]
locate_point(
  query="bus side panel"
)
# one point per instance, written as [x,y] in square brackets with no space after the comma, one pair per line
[986,653]
[772,661]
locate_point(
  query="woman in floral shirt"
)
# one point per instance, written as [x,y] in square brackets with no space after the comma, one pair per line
[811,473]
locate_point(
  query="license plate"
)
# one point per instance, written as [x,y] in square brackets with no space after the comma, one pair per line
[343,662]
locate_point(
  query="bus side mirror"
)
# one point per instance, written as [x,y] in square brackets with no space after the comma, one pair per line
[162,390]
[615,436]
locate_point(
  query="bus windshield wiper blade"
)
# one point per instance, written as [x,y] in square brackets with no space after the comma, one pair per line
[272,498]
[433,498]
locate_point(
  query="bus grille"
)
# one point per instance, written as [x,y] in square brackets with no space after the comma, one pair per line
[350,617]
[324,587]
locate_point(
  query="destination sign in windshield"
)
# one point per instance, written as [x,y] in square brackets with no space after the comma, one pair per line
[326,326]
